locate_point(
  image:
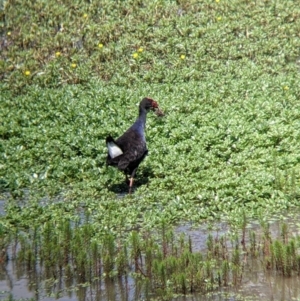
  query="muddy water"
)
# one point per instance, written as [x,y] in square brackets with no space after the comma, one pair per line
[257,284]
[15,282]
[256,287]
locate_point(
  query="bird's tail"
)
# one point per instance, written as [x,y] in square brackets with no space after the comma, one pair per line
[113,149]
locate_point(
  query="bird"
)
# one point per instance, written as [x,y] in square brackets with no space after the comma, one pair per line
[129,150]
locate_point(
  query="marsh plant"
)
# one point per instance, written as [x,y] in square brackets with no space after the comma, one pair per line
[74,73]
[226,75]
[162,262]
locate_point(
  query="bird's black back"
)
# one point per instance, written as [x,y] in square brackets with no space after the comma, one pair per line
[134,151]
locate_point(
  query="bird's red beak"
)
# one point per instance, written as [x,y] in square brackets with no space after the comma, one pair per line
[156,109]
[159,112]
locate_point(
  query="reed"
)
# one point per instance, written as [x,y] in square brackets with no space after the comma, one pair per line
[96,258]
[266,245]
[149,256]
[285,258]
[108,255]
[284,232]
[136,250]
[164,237]
[121,261]
[236,266]
[210,245]
[253,244]
[67,236]
[161,261]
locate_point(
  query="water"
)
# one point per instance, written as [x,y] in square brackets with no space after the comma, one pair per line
[15,281]
[257,283]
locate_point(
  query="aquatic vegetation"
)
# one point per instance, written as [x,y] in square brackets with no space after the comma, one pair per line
[230,134]
[227,147]
[161,263]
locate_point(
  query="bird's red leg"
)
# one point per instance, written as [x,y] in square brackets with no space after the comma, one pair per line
[130,184]
[131,180]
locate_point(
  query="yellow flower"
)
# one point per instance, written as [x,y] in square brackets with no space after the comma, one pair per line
[57,54]
[219,18]
[141,49]
[85,15]
[135,55]
[27,73]
[9,33]
[100,45]
[285,88]
[182,57]
[217,1]
[73,65]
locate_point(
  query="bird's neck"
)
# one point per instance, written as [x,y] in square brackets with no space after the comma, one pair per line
[140,123]
[142,115]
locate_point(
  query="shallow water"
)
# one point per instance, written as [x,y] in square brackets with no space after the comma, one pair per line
[257,284]
[15,281]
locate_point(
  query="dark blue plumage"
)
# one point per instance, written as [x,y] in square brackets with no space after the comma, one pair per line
[129,150]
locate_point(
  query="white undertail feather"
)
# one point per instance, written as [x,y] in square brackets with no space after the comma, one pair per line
[113,150]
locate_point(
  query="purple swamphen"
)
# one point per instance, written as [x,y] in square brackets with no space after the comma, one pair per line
[129,150]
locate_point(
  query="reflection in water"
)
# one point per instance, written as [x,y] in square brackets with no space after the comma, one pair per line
[47,284]
[39,282]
